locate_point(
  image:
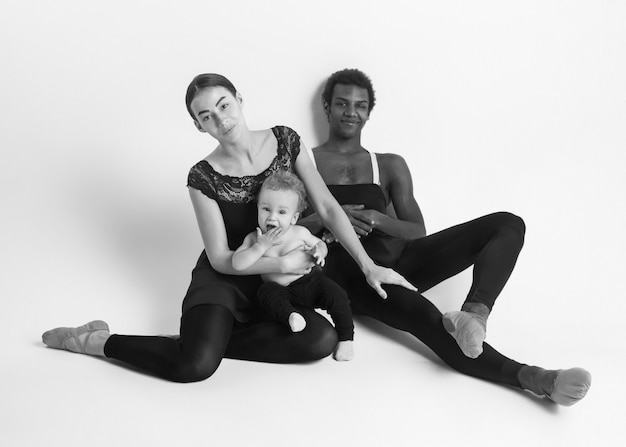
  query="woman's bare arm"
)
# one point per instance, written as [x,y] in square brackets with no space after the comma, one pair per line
[213,232]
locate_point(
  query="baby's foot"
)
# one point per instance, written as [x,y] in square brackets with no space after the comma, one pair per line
[468,329]
[297,323]
[344,351]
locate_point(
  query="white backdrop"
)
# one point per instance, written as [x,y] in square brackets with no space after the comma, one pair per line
[516,106]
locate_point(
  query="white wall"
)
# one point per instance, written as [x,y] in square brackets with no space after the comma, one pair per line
[495,105]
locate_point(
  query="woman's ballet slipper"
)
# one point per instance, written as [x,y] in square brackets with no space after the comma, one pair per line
[468,329]
[570,386]
[68,337]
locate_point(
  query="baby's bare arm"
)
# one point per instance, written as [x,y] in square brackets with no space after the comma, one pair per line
[254,247]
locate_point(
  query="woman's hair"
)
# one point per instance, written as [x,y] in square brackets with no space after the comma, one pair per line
[287,181]
[203,81]
[348,76]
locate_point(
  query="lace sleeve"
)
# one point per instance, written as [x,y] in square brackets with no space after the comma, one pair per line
[288,147]
[198,179]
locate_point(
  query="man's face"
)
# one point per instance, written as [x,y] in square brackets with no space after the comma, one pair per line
[348,110]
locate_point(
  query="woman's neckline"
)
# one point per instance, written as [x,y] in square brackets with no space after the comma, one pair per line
[272,163]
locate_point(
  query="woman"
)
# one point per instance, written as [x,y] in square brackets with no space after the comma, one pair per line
[366,184]
[219,318]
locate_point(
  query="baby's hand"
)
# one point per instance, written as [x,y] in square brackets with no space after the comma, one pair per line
[318,255]
[269,238]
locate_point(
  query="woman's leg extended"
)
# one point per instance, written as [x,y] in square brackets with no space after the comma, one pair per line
[275,343]
[490,243]
[204,334]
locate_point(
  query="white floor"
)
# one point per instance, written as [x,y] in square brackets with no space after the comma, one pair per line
[515,106]
[394,393]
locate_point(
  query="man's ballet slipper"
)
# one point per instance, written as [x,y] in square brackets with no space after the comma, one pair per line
[468,329]
[570,386]
[67,337]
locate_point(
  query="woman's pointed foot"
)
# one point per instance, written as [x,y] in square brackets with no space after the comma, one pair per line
[86,339]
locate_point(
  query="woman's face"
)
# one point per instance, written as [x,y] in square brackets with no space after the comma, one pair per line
[217,112]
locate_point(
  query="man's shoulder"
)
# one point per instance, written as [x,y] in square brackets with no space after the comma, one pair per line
[321,148]
[390,160]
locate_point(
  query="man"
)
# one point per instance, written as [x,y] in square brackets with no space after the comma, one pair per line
[394,233]
[376,192]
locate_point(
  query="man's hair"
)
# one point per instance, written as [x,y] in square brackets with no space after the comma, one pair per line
[348,76]
[286,181]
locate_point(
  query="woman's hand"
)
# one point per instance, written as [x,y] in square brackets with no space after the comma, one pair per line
[298,261]
[377,276]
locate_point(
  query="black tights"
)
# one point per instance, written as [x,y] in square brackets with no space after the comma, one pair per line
[413,313]
[207,334]
[490,243]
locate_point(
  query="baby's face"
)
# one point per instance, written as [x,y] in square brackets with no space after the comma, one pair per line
[277,209]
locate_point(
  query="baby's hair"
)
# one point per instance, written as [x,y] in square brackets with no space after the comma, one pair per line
[287,181]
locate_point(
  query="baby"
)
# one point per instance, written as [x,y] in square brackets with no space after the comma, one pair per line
[280,202]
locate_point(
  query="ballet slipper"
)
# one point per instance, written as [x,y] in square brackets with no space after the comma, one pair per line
[570,386]
[68,338]
[468,329]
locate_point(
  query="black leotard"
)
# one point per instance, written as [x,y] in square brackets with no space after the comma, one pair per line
[208,329]
[236,199]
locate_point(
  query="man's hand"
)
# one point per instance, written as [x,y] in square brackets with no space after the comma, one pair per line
[363,221]
[367,219]
[354,212]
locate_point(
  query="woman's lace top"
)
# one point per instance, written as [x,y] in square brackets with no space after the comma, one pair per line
[244,189]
